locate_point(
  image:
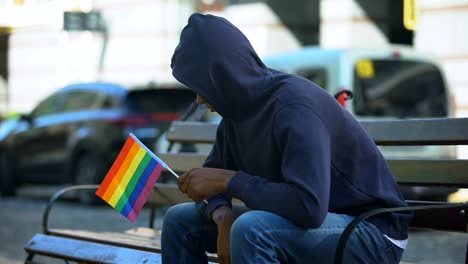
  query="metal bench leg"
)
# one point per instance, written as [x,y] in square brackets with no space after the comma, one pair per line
[152,216]
[466,257]
[29,258]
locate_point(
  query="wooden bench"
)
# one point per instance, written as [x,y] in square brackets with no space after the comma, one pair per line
[137,245]
[428,215]
[411,172]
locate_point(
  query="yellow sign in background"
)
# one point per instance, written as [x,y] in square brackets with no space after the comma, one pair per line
[365,69]
[410,14]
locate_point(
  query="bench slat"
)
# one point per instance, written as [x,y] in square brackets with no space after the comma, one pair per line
[434,131]
[422,172]
[197,132]
[132,239]
[167,194]
[85,251]
[440,172]
[182,162]
[443,220]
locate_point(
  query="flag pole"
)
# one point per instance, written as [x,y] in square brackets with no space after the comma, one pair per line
[157,158]
[173,173]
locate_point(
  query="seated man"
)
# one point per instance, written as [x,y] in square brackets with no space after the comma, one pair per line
[301,163]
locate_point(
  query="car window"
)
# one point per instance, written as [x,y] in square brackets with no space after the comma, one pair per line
[81,100]
[397,88]
[110,102]
[316,75]
[159,100]
[50,105]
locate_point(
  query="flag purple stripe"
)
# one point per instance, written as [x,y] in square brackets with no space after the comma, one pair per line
[145,193]
[139,187]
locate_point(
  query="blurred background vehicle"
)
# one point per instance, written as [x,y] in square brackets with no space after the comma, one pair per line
[392,82]
[74,134]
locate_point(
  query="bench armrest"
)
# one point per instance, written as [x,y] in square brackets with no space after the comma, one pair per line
[351,226]
[58,195]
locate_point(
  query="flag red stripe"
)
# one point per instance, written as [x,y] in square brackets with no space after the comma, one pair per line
[115,167]
[117,178]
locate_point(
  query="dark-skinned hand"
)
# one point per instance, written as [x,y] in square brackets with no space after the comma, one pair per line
[200,183]
[224,218]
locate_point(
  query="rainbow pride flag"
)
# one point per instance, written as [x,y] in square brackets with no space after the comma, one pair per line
[131,178]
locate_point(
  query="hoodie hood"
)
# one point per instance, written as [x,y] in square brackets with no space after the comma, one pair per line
[218,62]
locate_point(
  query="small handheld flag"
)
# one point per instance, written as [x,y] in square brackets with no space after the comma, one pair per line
[131,178]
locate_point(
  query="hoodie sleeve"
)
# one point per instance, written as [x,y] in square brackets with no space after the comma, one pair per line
[215,160]
[303,196]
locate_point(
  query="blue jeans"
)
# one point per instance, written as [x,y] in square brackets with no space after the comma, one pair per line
[263,237]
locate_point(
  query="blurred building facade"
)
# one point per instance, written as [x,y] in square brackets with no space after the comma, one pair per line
[37,55]
[135,49]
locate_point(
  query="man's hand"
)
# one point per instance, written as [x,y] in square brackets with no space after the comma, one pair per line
[200,183]
[224,218]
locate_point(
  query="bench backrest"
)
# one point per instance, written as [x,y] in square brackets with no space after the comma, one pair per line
[416,172]
[422,172]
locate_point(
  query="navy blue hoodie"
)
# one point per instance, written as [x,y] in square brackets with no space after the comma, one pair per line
[297,152]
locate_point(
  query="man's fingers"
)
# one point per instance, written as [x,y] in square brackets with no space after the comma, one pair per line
[192,190]
[186,184]
[182,179]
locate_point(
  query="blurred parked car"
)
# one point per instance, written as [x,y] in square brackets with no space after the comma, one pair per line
[388,83]
[74,134]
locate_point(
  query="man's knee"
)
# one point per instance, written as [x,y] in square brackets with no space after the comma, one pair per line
[179,212]
[181,215]
[249,226]
[251,238]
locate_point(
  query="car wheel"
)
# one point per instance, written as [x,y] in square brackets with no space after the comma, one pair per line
[88,171]
[7,181]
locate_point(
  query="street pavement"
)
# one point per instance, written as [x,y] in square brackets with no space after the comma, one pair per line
[20,219]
